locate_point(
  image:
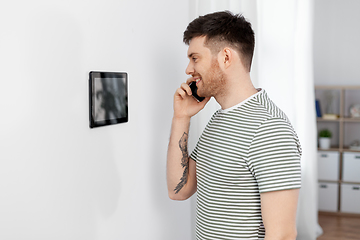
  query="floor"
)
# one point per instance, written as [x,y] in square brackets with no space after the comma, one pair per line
[339,227]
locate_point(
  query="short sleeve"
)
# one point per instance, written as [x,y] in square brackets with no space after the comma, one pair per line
[274,156]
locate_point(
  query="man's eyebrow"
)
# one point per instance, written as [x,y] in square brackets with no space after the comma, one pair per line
[191,54]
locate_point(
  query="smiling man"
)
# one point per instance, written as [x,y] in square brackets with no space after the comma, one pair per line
[245,167]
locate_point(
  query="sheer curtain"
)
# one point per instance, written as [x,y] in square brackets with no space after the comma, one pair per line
[283,67]
[286,71]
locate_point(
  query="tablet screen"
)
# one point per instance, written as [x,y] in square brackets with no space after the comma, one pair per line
[108,98]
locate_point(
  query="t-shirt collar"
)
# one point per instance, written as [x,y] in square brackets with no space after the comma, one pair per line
[260,91]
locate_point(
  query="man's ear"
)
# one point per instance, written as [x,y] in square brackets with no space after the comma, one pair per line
[227,57]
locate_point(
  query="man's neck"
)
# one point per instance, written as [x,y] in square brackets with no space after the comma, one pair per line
[236,92]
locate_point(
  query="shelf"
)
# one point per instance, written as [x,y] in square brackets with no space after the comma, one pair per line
[332,149]
[336,87]
[335,149]
[347,149]
[346,119]
[345,130]
[328,120]
[349,119]
[340,181]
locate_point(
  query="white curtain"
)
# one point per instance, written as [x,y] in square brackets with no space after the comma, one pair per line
[286,71]
[283,66]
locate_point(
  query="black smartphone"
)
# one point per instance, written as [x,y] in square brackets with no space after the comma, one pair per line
[193,88]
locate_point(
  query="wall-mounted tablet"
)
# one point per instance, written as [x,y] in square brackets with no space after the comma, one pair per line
[108,95]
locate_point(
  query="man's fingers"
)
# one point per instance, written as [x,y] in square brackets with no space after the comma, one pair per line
[180,92]
[189,80]
[183,91]
[186,88]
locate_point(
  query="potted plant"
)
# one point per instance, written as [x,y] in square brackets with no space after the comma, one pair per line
[325,138]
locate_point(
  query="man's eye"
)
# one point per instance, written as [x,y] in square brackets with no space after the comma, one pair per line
[194,59]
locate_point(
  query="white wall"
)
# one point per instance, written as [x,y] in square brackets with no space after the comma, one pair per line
[58,178]
[336,42]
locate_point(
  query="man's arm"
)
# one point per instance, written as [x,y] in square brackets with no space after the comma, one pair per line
[181,170]
[181,173]
[278,210]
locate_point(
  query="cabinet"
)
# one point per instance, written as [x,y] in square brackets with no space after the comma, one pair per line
[328,166]
[339,166]
[350,198]
[351,167]
[328,196]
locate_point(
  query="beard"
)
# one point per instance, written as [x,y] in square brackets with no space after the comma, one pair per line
[213,82]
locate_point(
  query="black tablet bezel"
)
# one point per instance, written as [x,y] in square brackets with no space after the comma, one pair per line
[115,75]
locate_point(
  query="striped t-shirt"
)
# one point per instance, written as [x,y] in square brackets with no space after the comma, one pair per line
[246,150]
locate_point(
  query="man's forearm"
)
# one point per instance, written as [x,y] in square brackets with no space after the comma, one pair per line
[178,159]
[184,162]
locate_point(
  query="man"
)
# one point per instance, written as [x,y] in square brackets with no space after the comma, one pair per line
[246,164]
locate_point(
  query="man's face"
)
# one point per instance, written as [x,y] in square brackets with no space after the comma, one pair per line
[205,69]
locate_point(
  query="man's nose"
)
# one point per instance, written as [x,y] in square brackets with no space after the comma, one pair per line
[190,69]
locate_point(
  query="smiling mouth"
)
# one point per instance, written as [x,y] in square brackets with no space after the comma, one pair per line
[197,80]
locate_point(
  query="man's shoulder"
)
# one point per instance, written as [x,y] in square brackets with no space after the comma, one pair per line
[269,109]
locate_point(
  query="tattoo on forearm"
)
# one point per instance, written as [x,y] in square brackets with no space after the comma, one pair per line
[184,162]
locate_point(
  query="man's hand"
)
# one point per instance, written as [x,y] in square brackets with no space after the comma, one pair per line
[185,106]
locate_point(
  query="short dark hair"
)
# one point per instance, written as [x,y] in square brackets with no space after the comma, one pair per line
[223,29]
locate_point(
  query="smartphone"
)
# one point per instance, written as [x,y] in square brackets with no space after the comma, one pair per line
[193,88]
